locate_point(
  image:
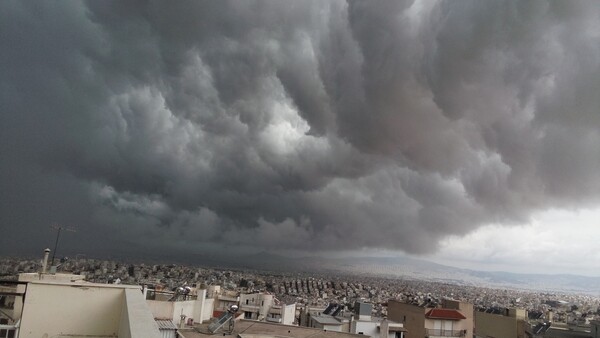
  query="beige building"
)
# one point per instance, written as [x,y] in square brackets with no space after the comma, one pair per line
[509,324]
[452,319]
[64,305]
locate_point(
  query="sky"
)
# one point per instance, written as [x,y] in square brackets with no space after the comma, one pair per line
[463,131]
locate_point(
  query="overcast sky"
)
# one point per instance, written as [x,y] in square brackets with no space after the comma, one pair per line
[466,131]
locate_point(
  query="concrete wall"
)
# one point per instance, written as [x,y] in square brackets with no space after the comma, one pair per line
[71,310]
[201,306]
[413,318]
[124,331]
[265,303]
[199,310]
[288,314]
[336,328]
[498,326]
[136,318]
[595,329]
[161,309]
[185,308]
[209,305]
[368,328]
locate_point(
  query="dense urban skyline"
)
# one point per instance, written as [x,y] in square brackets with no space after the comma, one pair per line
[465,132]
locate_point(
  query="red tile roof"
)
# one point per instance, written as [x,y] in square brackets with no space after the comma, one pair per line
[450,314]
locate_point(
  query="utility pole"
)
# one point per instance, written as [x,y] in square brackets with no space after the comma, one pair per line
[59,228]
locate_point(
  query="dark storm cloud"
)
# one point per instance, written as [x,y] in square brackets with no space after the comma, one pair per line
[294,125]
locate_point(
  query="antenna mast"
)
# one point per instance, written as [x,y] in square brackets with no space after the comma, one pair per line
[59,228]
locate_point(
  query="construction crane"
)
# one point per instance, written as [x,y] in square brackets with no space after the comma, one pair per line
[59,228]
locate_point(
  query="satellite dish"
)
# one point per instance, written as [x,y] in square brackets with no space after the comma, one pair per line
[233,308]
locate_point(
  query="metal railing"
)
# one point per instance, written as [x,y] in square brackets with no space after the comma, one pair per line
[9,331]
[445,333]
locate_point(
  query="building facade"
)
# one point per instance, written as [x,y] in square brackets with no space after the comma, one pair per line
[451,319]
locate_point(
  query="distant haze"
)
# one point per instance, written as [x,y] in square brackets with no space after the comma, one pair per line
[311,126]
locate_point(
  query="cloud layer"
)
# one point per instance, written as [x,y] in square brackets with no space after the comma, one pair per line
[294,125]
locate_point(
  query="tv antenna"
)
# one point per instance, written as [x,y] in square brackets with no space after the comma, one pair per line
[59,228]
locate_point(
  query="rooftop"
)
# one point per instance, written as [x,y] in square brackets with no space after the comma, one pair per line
[449,314]
[254,329]
[327,320]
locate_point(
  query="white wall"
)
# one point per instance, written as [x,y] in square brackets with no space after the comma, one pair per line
[183,308]
[265,301]
[337,328]
[209,305]
[370,328]
[200,307]
[199,310]
[136,318]
[288,313]
[161,309]
[71,310]
[124,331]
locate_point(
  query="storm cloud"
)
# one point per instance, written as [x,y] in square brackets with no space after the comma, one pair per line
[312,125]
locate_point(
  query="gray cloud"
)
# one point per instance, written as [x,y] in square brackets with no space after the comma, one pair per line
[293,125]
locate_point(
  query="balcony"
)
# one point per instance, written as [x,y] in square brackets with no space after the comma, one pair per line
[9,331]
[432,333]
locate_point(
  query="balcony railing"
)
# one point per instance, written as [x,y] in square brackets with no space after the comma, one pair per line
[9,331]
[445,333]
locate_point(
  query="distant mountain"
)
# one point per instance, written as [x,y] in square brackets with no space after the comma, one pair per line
[422,269]
[405,267]
[410,268]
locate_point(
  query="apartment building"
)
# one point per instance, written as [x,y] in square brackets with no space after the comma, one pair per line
[451,319]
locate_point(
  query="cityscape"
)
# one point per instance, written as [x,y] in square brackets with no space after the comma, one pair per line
[314,292]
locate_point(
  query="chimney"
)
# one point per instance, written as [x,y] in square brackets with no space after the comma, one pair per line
[45,261]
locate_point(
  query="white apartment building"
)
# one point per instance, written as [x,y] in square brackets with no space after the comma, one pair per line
[265,307]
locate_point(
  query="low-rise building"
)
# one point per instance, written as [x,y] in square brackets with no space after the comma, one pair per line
[80,309]
[451,319]
[265,307]
[362,322]
[501,323]
[64,305]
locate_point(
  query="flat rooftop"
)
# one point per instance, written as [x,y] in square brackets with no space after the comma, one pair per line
[326,320]
[254,329]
